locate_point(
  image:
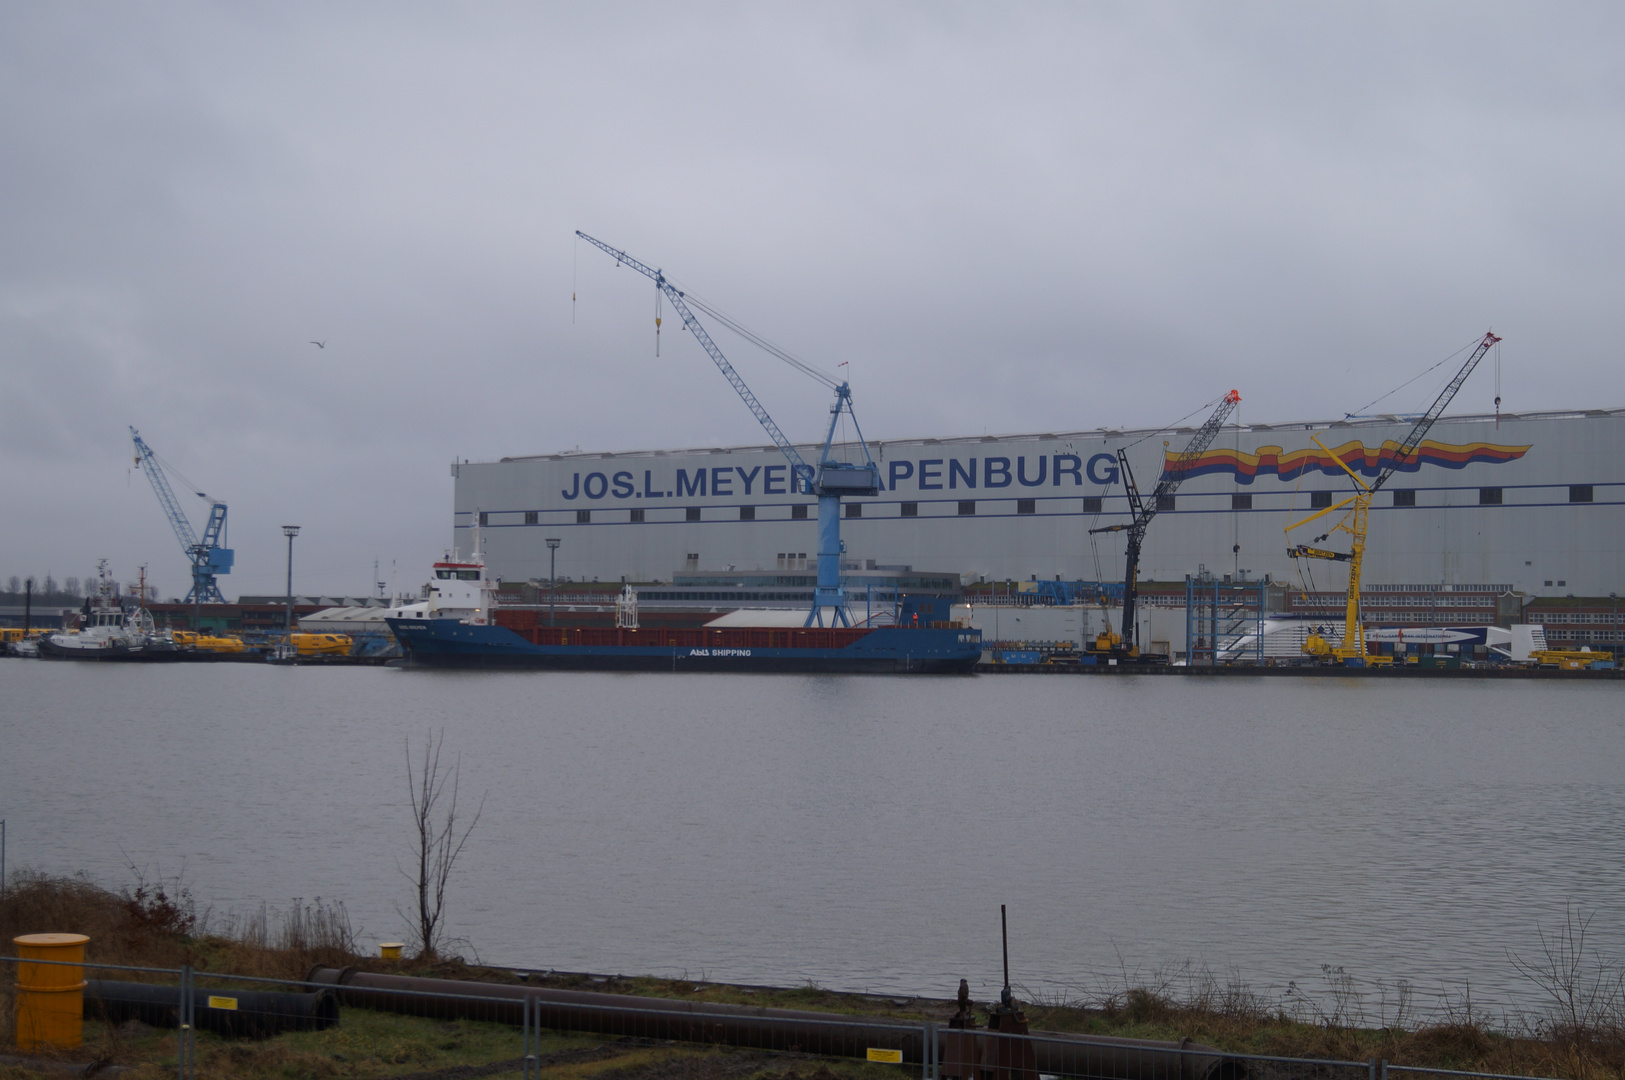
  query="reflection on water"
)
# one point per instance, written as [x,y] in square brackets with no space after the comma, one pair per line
[861,832]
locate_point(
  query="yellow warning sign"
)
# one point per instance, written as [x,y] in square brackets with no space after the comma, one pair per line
[222,1002]
[891,1057]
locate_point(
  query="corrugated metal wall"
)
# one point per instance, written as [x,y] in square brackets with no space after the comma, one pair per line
[1019,506]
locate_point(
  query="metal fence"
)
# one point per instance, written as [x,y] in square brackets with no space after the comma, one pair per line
[187,1001]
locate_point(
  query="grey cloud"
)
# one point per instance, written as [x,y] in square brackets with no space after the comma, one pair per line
[1035,218]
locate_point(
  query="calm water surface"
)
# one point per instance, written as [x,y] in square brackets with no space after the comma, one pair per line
[861,832]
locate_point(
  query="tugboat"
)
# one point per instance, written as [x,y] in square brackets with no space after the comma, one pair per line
[109,631]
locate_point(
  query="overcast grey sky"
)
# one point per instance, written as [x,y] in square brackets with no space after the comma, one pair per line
[1005,218]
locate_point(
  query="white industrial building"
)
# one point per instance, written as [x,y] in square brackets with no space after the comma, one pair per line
[1534,503]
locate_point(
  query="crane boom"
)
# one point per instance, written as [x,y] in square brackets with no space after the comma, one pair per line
[1352,648]
[209,559]
[1420,430]
[148,463]
[798,466]
[829,482]
[1141,511]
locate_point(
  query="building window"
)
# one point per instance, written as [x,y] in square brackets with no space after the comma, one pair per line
[747,513]
[854,510]
[798,512]
[1489,496]
[1165,502]
[485,519]
[583,517]
[967,507]
[1548,584]
[1239,501]
[531,517]
[693,513]
[1026,506]
[637,515]
[1579,493]
[1320,500]
[911,509]
[1403,497]
[1092,504]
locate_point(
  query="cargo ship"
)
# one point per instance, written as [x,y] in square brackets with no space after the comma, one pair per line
[461,625]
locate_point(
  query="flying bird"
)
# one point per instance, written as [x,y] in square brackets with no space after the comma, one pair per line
[319,344]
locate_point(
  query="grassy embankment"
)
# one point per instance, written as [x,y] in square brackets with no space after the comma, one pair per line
[145,926]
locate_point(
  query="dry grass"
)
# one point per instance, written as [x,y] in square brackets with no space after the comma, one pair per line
[1228,1015]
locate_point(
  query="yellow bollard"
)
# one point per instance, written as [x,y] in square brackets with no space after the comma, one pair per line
[390,950]
[50,997]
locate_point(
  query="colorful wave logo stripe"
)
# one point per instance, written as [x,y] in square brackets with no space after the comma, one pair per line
[1275,461]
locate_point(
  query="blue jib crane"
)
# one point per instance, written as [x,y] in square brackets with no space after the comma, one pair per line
[209,558]
[828,482]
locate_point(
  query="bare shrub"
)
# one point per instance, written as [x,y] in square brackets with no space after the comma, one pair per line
[1585,991]
[147,924]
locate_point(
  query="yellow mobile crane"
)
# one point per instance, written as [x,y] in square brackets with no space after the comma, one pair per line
[1351,650]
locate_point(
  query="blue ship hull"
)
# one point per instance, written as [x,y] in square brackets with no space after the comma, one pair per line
[447,643]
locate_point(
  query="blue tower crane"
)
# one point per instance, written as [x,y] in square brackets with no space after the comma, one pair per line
[209,558]
[828,482]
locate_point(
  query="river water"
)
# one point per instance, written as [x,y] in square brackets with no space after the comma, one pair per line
[861,832]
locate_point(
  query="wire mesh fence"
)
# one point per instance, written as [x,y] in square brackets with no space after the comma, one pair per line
[157,1014]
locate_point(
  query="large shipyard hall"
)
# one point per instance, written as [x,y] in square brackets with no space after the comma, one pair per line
[1530,504]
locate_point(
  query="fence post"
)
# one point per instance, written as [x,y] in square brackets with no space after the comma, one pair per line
[1371,1064]
[533,1036]
[929,1056]
[180,1027]
[191,1022]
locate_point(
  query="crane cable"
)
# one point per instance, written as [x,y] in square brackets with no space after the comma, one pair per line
[807,369]
[1170,427]
[1498,386]
[1470,345]
[169,467]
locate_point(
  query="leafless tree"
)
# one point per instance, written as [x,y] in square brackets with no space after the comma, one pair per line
[440,839]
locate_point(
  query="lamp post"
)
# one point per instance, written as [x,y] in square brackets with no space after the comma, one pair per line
[552,579]
[1614,596]
[290,531]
